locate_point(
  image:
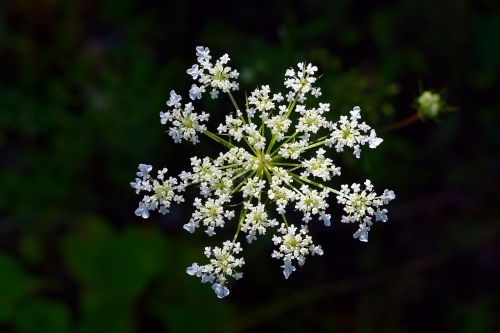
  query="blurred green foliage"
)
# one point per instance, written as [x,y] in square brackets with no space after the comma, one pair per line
[81,86]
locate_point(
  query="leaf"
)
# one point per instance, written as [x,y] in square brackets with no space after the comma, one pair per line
[15,285]
[42,316]
[119,264]
[113,268]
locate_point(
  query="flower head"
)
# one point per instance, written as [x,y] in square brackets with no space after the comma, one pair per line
[349,132]
[223,264]
[215,76]
[293,247]
[362,205]
[185,123]
[277,158]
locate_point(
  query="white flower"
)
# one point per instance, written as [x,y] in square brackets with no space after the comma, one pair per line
[211,214]
[316,92]
[387,196]
[185,123]
[175,100]
[300,82]
[160,192]
[350,133]
[136,185]
[278,125]
[195,92]
[204,170]
[362,232]
[293,150]
[311,202]
[373,141]
[320,166]
[274,158]
[256,221]
[281,195]
[142,210]
[220,290]
[233,127]
[294,246]
[429,104]
[381,215]
[203,53]
[362,205]
[195,71]
[144,170]
[256,140]
[262,102]
[253,187]
[312,120]
[223,264]
[218,76]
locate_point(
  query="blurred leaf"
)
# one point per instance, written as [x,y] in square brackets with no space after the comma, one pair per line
[42,316]
[105,312]
[119,264]
[471,318]
[30,247]
[179,301]
[112,269]
[15,285]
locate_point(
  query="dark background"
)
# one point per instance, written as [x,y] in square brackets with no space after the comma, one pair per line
[81,87]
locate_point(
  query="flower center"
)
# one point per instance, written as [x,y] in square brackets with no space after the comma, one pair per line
[264,162]
[212,212]
[188,122]
[220,76]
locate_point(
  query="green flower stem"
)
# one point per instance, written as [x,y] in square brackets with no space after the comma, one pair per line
[287,115]
[242,216]
[241,174]
[250,146]
[292,187]
[283,143]
[288,184]
[290,108]
[246,107]
[287,164]
[285,220]
[319,142]
[299,181]
[243,119]
[242,182]
[312,182]
[271,144]
[228,166]
[295,168]
[218,139]
[236,204]
[237,108]
[268,175]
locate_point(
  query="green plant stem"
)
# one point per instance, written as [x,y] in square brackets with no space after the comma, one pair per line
[312,182]
[401,124]
[237,108]
[285,220]
[218,139]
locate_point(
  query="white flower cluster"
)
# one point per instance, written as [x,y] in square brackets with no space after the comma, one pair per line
[160,192]
[362,205]
[222,264]
[216,76]
[294,245]
[185,123]
[278,159]
[301,82]
[350,133]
